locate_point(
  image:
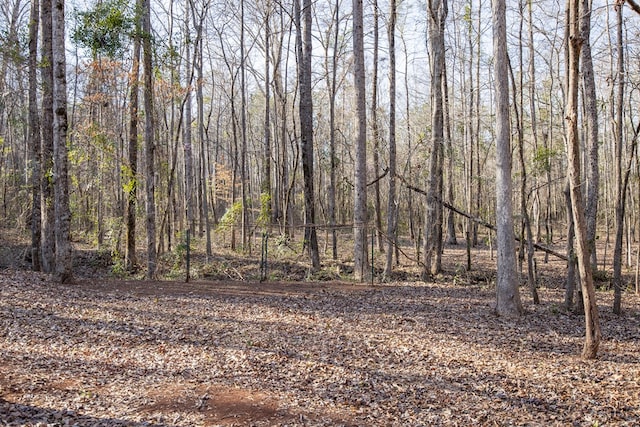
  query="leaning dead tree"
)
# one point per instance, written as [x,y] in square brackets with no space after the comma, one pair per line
[479,221]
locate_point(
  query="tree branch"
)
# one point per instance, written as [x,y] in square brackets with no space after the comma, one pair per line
[633,5]
[478,220]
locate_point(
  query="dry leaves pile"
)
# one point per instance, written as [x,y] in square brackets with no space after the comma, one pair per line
[406,354]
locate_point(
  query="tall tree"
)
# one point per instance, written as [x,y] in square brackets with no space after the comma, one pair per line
[266,191]
[46,164]
[375,126]
[204,146]
[508,296]
[244,191]
[332,87]
[392,204]
[34,135]
[63,272]
[592,322]
[187,143]
[132,148]
[303,42]
[591,119]
[437,13]
[360,257]
[149,144]
[621,173]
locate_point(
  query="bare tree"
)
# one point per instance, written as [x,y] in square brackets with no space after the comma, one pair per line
[303,46]
[149,143]
[46,163]
[592,322]
[508,296]
[132,148]
[437,13]
[34,135]
[63,272]
[375,126]
[591,116]
[392,206]
[360,257]
[621,173]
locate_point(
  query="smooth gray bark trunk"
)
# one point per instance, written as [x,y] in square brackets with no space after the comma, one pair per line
[508,302]
[360,254]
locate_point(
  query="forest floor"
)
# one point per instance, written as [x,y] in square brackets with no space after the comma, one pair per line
[121,352]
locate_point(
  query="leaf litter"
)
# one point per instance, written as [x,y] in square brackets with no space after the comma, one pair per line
[118,353]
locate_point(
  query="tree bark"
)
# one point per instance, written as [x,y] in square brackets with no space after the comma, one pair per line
[392,204]
[591,119]
[332,136]
[592,322]
[267,211]
[375,128]
[132,153]
[149,143]
[46,175]
[34,136]
[63,272]
[508,296]
[621,175]
[437,13]
[360,256]
[306,126]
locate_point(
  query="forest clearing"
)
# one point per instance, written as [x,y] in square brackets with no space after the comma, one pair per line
[319,213]
[113,352]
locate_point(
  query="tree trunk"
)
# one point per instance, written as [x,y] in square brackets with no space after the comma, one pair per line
[332,136]
[360,256]
[570,285]
[437,13]
[187,143]
[63,272]
[303,42]
[204,164]
[526,235]
[591,119]
[244,193]
[267,211]
[34,136]
[149,143]
[451,224]
[508,296]
[592,322]
[392,206]
[46,175]
[375,128]
[621,175]
[132,187]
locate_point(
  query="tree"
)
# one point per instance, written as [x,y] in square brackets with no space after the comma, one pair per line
[375,127]
[34,136]
[508,296]
[591,118]
[149,146]
[303,43]
[392,204]
[132,149]
[63,272]
[360,257]
[621,174]
[46,151]
[592,322]
[437,13]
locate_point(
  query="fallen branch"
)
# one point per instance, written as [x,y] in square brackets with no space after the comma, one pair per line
[478,220]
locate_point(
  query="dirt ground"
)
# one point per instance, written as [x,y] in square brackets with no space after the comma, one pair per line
[108,352]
